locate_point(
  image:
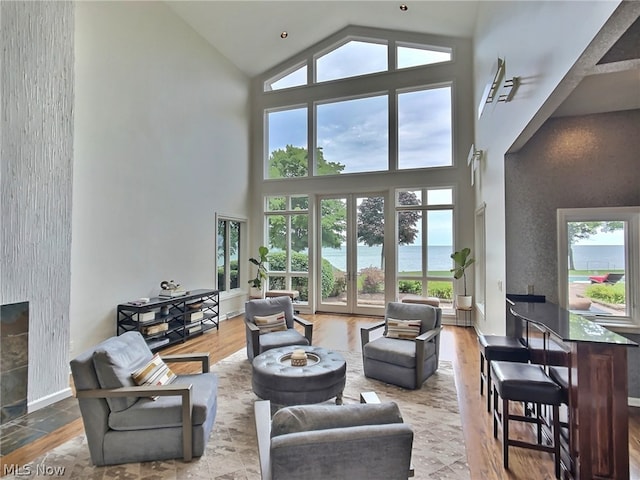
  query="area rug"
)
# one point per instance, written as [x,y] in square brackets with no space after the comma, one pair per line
[231,454]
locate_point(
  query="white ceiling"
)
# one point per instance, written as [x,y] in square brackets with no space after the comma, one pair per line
[248,34]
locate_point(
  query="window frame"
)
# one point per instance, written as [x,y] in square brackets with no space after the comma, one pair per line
[288,212]
[425,208]
[631,215]
[242,249]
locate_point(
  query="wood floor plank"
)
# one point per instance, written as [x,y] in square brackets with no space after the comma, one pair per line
[342,332]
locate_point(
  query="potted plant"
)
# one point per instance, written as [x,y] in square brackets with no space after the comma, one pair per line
[261,274]
[462,261]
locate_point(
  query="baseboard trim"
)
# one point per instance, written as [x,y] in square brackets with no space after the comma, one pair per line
[48,400]
[633,402]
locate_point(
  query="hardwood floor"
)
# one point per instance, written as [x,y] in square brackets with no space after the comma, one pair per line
[458,345]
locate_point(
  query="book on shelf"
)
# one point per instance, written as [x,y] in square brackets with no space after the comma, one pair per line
[172,293]
[145,316]
[193,324]
[157,328]
[197,315]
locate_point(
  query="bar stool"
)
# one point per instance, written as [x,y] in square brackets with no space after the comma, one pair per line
[560,375]
[496,347]
[525,382]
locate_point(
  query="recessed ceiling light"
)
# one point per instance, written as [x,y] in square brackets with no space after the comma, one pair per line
[284,35]
[404,7]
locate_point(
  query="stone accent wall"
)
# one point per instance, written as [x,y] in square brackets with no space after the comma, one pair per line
[14,360]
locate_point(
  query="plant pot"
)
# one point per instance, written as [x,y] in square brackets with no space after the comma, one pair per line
[464,301]
[257,293]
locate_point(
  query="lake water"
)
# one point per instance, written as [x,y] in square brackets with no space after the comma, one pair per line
[586,257]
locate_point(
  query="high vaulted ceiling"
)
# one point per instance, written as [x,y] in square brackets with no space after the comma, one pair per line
[248,34]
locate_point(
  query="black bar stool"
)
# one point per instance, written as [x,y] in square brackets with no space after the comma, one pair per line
[525,382]
[496,347]
[560,375]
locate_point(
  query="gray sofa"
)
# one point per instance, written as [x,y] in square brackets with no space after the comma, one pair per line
[406,363]
[122,423]
[319,442]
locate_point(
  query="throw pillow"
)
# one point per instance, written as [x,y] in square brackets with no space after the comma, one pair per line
[156,372]
[271,323]
[403,329]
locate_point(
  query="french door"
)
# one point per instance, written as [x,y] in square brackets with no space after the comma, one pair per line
[351,277]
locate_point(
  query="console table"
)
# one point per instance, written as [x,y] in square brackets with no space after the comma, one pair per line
[163,321]
[596,359]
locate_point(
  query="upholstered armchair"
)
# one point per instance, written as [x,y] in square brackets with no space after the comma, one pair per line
[125,422]
[270,324]
[319,441]
[408,352]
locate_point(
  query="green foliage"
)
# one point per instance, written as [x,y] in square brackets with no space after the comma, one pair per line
[441,290]
[233,273]
[612,294]
[371,220]
[372,279]
[462,261]
[261,273]
[334,223]
[410,286]
[299,263]
[330,282]
[293,162]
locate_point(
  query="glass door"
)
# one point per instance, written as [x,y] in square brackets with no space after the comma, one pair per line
[352,273]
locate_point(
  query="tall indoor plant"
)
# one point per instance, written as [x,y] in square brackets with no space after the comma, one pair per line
[462,261]
[261,273]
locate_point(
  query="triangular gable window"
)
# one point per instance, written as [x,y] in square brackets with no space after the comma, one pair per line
[287,79]
[350,59]
[420,55]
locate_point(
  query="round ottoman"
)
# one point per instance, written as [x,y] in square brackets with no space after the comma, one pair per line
[275,379]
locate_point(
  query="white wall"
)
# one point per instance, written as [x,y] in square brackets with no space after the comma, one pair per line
[540,42]
[161,145]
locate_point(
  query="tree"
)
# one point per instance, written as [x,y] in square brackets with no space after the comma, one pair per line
[371,221]
[293,162]
[581,230]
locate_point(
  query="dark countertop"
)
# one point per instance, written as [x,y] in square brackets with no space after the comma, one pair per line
[570,327]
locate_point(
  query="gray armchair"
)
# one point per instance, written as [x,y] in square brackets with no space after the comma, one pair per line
[402,362]
[123,424]
[317,442]
[258,342]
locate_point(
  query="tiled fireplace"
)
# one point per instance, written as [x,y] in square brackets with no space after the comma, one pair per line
[14,360]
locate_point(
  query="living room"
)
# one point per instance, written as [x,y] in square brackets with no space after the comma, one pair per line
[153,137]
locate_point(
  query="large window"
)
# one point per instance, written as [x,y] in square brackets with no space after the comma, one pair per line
[230,241]
[599,263]
[359,106]
[358,149]
[352,135]
[425,136]
[287,143]
[287,230]
[425,243]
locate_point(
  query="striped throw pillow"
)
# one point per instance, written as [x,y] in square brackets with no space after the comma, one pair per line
[271,323]
[156,372]
[403,329]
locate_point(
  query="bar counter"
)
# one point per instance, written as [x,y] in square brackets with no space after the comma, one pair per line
[597,445]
